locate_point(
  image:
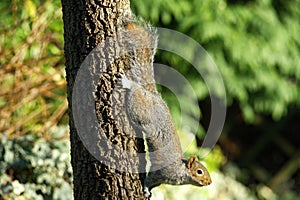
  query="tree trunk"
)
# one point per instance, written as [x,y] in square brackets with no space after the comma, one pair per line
[101,170]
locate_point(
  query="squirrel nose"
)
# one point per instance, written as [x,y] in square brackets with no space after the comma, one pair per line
[208,182]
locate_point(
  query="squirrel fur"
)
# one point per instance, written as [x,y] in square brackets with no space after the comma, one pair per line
[149,114]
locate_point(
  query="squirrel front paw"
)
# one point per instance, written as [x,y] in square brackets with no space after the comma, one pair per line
[125,82]
[147,193]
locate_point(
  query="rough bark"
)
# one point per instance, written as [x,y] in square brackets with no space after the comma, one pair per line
[87,24]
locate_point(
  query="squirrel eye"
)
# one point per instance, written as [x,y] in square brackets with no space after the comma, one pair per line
[199,172]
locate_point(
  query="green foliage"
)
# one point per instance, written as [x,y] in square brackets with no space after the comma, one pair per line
[255,44]
[225,186]
[33,168]
[256,47]
[33,89]
[33,102]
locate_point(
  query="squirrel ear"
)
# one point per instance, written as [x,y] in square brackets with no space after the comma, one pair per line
[191,162]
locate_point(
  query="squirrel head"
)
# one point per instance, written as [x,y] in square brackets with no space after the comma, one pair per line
[198,174]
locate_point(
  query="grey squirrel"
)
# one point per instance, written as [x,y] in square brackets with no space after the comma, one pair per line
[149,114]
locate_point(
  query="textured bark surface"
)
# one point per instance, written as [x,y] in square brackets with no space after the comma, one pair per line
[87,24]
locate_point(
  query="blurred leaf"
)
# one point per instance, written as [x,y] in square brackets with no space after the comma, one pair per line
[31,8]
[38,167]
